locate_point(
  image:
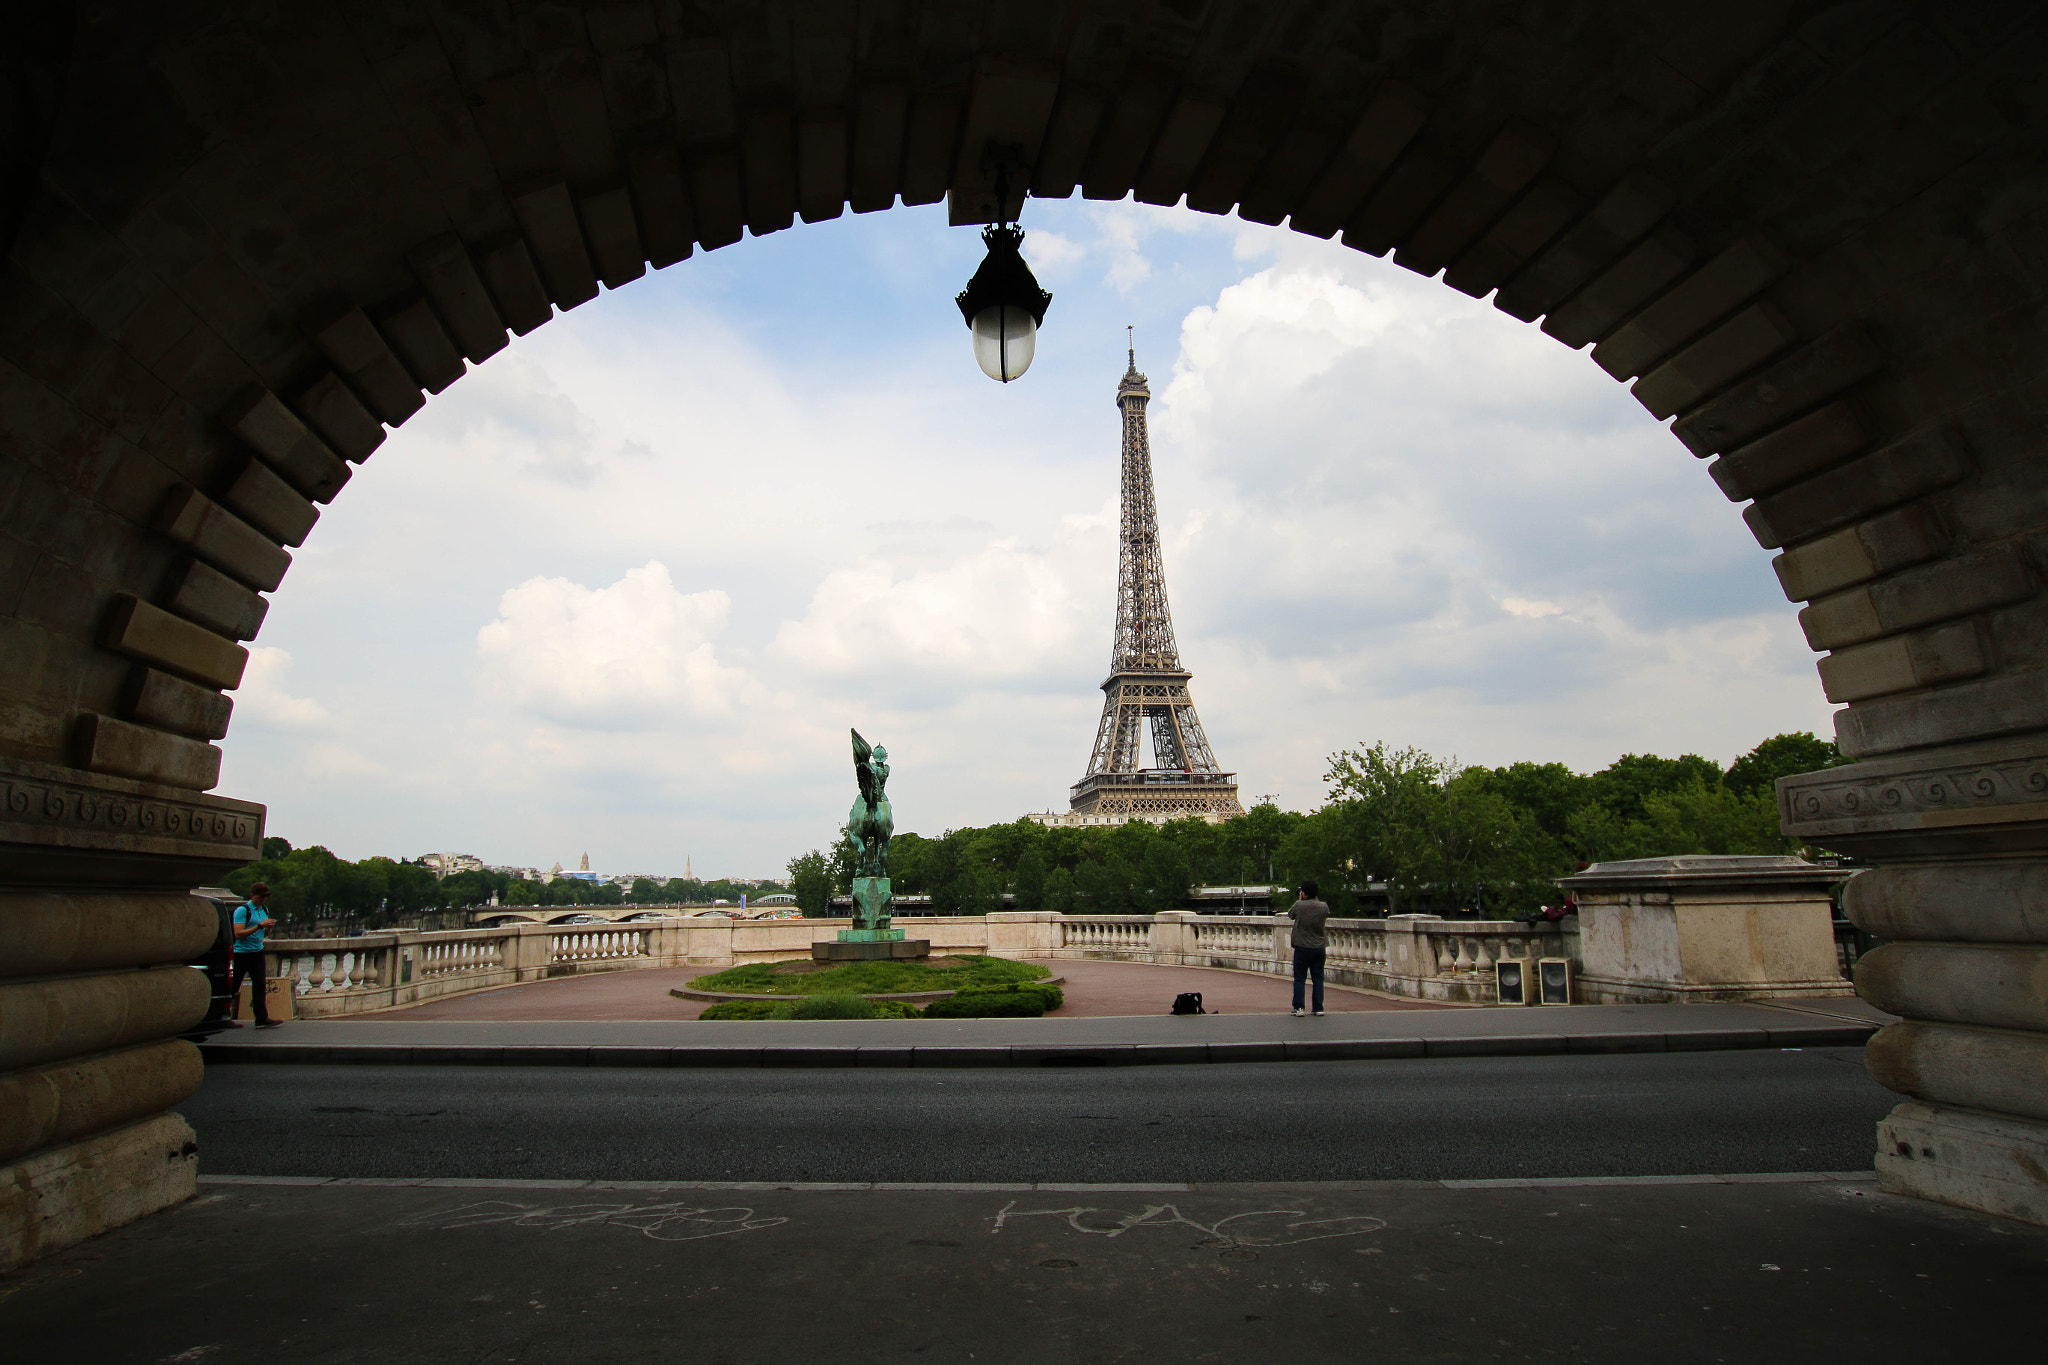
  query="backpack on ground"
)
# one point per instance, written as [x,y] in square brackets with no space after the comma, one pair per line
[1188,1002]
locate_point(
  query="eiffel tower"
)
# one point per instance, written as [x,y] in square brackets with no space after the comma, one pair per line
[1147,689]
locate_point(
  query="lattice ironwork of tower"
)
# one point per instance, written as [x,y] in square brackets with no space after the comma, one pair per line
[1146,694]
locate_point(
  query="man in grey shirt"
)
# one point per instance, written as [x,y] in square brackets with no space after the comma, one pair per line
[1311,949]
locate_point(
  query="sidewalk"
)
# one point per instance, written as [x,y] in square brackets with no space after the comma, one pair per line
[402,1038]
[1759,1269]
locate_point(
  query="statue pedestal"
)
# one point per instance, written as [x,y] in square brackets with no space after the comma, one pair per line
[863,950]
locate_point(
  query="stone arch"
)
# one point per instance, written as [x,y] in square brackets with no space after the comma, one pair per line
[244,242]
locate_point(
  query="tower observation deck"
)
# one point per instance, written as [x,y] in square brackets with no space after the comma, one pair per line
[1146,694]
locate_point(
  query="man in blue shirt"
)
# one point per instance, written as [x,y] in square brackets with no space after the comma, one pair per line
[251,919]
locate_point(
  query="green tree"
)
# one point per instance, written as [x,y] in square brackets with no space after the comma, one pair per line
[1781,756]
[1623,785]
[1059,891]
[1030,882]
[811,880]
[1164,877]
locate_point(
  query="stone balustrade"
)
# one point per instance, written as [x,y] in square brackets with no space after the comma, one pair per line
[1414,956]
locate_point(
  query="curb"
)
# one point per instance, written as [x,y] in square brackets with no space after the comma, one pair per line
[685,993]
[1031,1055]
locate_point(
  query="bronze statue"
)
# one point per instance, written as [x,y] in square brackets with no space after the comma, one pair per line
[869,825]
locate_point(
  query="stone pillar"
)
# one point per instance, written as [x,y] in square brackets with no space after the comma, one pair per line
[96,922]
[1023,933]
[531,951]
[1669,930]
[1960,896]
[1172,939]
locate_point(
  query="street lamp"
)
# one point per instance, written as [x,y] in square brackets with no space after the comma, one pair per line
[1003,305]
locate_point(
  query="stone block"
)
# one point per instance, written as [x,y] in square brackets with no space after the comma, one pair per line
[276,433]
[1898,539]
[1989,985]
[614,236]
[1510,163]
[1418,178]
[547,219]
[1617,219]
[153,635]
[661,201]
[866,952]
[360,352]
[1379,137]
[63,1195]
[333,409]
[881,109]
[445,271]
[1971,710]
[258,496]
[1640,275]
[62,1102]
[1984,902]
[421,344]
[1260,118]
[928,140]
[1522,232]
[1792,452]
[1823,369]
[1137,104]
[1705,928]
[767,134]
[1999,1070]
[1009,106]
[715,190]
[522,299]
[1842,619]
[1191,123]
[107,745]
[1738,345]
[1991,1163]
[1690,307]
[204,594]
[1852,492]
[1959,586]
[157,699]
[54,1018]
[1289,168]
[43,933]
[68,827]
[1925,659]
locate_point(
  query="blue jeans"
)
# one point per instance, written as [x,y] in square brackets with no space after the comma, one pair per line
[1309,962]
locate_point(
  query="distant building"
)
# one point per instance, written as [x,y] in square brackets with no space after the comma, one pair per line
[445,864]
[1052,819]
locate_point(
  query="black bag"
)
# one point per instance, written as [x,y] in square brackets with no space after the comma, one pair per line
[1188,1002]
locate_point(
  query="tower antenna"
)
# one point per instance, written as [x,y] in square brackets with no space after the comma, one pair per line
[1131,336]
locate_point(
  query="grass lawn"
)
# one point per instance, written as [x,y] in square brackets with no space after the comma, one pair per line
[880,977]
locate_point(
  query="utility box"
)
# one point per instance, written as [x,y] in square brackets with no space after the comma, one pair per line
[1511,981]
[1553,981]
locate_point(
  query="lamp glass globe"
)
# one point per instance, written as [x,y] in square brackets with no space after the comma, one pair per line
[1004,338]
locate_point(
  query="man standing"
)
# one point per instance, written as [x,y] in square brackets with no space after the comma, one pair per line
[251,919]
[1311,949]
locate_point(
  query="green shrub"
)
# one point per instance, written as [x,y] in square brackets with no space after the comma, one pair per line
[827,1007]
[988,1005]
[1051,996]
[885,976]
[741,1009]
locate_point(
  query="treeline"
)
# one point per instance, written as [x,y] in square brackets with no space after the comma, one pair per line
[1438,836]
[310,884]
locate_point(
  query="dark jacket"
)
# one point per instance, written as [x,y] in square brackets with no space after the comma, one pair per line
[1308,917]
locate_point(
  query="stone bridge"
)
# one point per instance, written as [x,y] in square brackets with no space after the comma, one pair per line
[243,242]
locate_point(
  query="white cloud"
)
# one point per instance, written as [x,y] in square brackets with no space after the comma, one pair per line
[617,656]
[264,699]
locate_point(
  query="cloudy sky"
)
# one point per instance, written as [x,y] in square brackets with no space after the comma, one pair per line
[625,587]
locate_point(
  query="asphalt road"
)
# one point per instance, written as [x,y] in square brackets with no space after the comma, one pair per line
[1453,1118]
